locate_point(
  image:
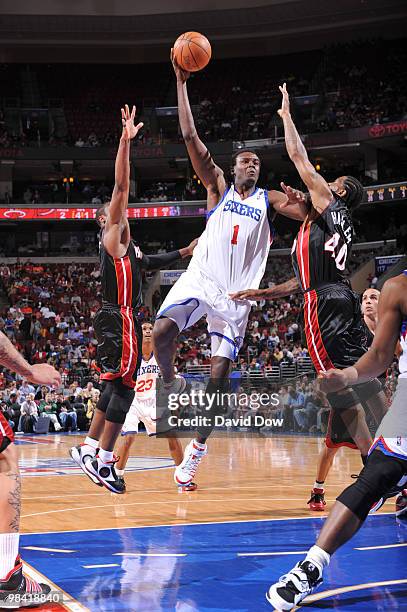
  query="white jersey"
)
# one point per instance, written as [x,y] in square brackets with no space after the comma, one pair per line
[233,249]
[143,407]
[403,356]
[146,380]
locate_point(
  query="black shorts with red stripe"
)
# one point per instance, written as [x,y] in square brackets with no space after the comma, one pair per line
[119,337]
[6,433]
[337,433]
[334,327]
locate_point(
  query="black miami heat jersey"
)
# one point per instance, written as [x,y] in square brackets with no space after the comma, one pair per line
[322,247]
[121,277]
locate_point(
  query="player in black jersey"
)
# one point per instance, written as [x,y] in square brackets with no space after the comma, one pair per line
[117,329]
[335,331]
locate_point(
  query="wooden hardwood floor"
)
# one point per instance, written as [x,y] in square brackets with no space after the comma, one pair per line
[240,479]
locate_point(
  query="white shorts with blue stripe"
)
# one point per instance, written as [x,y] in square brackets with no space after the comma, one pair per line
[194,296]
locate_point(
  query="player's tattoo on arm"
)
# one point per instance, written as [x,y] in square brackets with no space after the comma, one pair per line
[14,500]
[11,358]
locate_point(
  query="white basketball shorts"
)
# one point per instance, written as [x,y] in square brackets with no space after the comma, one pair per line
[193,296]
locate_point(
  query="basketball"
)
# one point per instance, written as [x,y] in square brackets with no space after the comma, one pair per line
[192,51]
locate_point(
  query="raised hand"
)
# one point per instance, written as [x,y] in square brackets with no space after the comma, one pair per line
[181,74]
[129,129]
[192,246]
[285,103]
[295,196]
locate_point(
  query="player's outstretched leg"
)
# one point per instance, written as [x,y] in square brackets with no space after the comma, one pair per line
[87,450]
[317,500]
[178,456]
[380,475]
[123,450]
[16,588]
[103,465]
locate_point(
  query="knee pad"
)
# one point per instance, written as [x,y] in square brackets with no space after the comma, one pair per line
[342,401]
[119,404]
[377,478]
[366,390]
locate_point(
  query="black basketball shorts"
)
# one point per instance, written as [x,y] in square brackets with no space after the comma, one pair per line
[119,337]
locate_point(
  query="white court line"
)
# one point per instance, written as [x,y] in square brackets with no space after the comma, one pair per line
[173,490]
[101,565]
[68,601]
[53,550]
[165,502]
[380,547]
[230,521]
[149,555]
[269,554]
[348,589]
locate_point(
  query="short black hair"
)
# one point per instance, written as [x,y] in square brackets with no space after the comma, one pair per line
[354,192]
[240,152]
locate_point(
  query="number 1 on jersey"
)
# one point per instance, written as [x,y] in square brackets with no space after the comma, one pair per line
[235,233]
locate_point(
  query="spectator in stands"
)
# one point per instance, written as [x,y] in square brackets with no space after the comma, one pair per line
[48,407]
[25,390]
[66,413]
[28,414]
[295,401]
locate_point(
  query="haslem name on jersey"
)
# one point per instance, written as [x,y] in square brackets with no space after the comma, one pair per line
[341,219]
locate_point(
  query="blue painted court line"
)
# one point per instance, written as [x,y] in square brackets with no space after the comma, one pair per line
[211,577]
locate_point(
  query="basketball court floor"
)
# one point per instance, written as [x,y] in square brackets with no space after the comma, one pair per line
[216,549]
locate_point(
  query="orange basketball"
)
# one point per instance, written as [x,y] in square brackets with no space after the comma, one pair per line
[192,51]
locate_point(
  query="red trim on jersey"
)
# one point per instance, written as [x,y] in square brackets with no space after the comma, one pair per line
[124,280]
[316,347]
[128,281]
[5,429]
[129,355]
[133,352]
[303,253]
[119,280]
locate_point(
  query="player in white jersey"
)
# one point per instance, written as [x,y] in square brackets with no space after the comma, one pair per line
[385,473]
[231,253]
[143,409]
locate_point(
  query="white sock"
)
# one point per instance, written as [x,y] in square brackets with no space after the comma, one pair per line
[105,456]
[319,485]
[199,445]
[91,442]
[119,472]
[8,552]
[317,556]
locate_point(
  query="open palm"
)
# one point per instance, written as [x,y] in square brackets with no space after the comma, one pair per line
[129,129]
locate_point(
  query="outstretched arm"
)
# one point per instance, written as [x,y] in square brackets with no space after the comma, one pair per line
[161,260]
[318,187]
[272,293]
[293,203]
[116,235]
[210,174]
